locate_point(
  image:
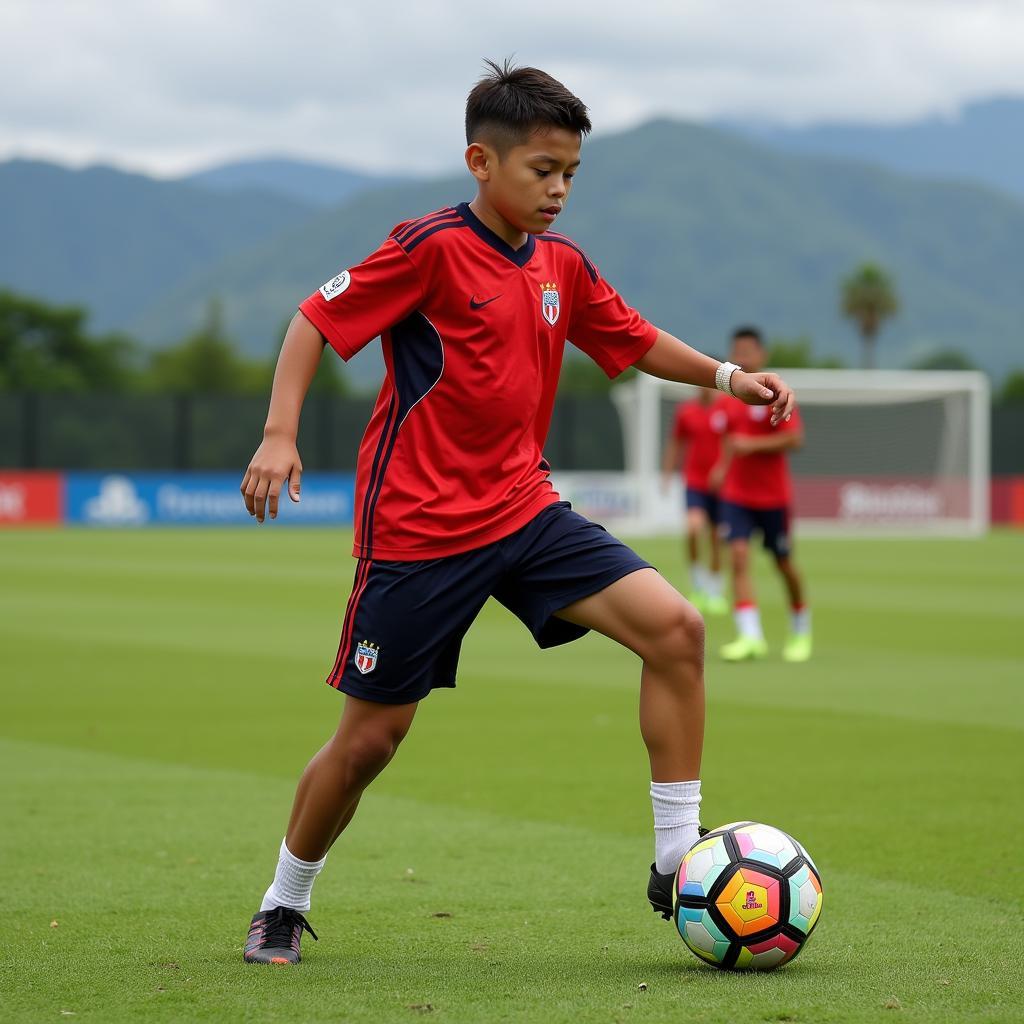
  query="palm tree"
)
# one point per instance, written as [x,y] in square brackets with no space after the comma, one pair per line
[869,298]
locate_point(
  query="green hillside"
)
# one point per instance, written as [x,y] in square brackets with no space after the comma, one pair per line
[113,241]
[700,229]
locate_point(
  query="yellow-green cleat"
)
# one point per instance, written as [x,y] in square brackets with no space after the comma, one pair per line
[699,600]
[798,647]
[716,606]
[744,648]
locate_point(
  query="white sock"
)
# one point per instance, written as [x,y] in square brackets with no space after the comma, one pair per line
[748,621]
[800,620]
[699,577]
[716,584]
[676,816]
[293,882]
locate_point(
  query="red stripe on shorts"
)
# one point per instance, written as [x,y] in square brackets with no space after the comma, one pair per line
[358,586]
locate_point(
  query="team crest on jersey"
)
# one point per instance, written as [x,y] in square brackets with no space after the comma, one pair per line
[333,288]
[549,305]
[366,656]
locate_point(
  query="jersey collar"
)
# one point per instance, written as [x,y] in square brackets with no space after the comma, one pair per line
[520,257]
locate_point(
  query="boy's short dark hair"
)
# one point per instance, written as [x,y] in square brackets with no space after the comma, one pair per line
[748,331]
[509,103]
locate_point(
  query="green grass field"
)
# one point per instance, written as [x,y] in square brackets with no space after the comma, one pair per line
[160,692]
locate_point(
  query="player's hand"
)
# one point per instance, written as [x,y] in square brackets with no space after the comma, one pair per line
[276,460]
[764,389]
[716,477]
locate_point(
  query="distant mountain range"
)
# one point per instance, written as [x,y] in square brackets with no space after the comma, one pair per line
[697,226]
[300,180]
[116,242]
[983,143]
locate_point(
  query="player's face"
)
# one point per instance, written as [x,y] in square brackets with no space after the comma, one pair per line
[748,353]
[530,184]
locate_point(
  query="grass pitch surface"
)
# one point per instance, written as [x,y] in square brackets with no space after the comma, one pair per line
[161,691]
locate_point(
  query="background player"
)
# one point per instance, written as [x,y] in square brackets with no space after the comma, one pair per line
[757,495]
[695,441]
[454,503]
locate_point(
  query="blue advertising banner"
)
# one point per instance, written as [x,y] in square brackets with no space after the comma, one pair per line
[197,499]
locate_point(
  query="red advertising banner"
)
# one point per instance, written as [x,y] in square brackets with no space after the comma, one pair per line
[31,499]
[1008,499]
[880,499]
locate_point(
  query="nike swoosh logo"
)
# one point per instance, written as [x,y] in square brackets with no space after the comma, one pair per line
[473,304]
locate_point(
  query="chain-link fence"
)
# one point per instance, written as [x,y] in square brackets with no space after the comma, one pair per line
[217,432]
[199,432]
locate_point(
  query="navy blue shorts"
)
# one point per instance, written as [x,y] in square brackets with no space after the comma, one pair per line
[405,620]
[740,521]
[705,500]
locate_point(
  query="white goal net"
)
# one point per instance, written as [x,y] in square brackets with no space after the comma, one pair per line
[897,452]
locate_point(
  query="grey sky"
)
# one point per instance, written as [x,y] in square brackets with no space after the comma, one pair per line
[170,85]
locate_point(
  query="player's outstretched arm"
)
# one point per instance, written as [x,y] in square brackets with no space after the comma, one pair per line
[672,359]
[277,458]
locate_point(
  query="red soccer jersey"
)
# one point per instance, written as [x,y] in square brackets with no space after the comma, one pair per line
[761,479]
[700,428]
[473,333]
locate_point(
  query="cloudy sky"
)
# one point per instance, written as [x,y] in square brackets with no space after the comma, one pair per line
[167,86]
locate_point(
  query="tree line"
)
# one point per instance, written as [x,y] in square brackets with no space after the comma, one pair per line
[45,348]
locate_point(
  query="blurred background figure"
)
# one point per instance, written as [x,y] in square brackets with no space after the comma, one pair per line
[694,444]
[757,497]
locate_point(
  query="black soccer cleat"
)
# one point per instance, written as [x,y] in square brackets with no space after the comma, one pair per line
[274,937]
[659,888]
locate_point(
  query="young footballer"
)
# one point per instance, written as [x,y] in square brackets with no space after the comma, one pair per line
[454,504]
[757,495]
[696,441]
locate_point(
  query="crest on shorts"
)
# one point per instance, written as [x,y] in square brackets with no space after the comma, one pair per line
[549,305]
[366,656]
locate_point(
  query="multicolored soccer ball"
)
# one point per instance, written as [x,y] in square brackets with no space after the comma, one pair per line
[747,897]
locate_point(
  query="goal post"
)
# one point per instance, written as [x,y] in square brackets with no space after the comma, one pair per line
[887,452]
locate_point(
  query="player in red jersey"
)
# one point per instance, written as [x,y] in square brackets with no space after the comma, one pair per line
[696,438]
[454,503]
[757,495]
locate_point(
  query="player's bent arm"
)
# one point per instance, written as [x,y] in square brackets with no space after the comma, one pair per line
[672,359]
[670,460]
[789,440]
[277,458]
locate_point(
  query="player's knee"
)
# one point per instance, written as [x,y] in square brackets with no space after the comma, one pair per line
[681,639]
[368,751]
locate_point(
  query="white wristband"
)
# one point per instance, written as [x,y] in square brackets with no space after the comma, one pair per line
[723,377]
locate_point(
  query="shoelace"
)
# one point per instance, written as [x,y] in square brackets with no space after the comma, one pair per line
[279,925]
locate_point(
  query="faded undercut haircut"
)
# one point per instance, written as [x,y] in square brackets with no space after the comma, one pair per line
[510,103]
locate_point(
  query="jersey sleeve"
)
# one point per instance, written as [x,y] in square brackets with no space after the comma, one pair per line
[613,334]
[358,304]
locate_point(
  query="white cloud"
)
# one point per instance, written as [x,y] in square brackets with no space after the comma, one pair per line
[172,84]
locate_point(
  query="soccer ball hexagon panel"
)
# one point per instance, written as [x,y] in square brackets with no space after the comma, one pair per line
[747,897]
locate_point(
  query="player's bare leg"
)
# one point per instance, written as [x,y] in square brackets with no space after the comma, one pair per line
[716,548]
[696,527]
[645,614]
[750,642]
[325,802]
[798,644]
[716,603]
